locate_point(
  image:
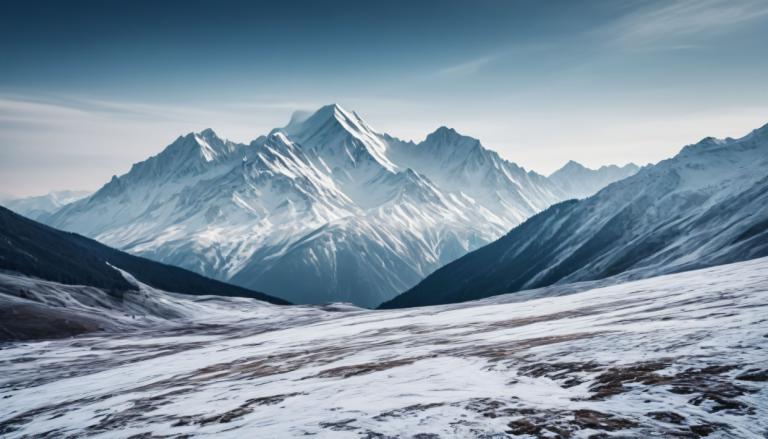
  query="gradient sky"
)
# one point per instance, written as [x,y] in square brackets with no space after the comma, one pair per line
[88,88]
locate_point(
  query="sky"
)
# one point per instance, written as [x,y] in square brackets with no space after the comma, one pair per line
[88,88]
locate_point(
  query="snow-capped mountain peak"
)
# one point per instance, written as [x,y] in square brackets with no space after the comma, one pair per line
[571,166]
[191,150]
[449,137]
[210,144]
[340,137]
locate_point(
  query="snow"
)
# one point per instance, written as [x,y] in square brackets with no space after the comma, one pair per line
[305,198]
[715,175]
[663,356]
[209,154]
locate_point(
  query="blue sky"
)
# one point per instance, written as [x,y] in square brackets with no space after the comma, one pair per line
[88,88]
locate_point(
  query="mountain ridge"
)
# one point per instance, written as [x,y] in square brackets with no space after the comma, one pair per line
[703,207]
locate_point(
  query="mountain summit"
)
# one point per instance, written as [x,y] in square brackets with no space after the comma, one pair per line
[323,209]
[339,135]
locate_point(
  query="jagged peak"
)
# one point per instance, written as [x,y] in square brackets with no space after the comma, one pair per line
[190,139]
[208,132]
[449,136]
[445,130]
[332,108]
[573,164]
[332,127]
[302,120]
[702,145]
[305,125]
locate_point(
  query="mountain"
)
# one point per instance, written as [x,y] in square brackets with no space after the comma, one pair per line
[324,209]
[706,206]
[580,182]
[34,249]
[40,207]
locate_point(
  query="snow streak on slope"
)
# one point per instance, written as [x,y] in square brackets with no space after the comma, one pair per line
[675,356]
[34,308]
[323,209]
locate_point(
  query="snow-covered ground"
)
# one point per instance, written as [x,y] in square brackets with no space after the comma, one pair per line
[682,355]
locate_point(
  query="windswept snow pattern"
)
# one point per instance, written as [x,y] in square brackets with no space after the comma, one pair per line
[32,308]
[324,209]
[681,355]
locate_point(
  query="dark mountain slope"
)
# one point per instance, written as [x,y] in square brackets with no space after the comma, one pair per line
[706,206]
[37,250]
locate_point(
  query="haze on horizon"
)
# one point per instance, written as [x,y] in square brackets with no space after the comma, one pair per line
[87,88]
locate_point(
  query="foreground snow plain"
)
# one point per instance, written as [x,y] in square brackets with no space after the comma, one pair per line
[682,355]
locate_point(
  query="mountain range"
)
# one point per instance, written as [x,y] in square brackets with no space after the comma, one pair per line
[706,206]
[587,350]
[324,209]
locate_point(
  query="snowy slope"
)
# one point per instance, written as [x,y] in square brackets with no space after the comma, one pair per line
[34,249]
[40,207]
[37,309]
[708,205]
[34,308]
[323,209]
[680,355]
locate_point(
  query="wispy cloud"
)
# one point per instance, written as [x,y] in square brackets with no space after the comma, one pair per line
[62,109]
[672,24]
[468,67]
